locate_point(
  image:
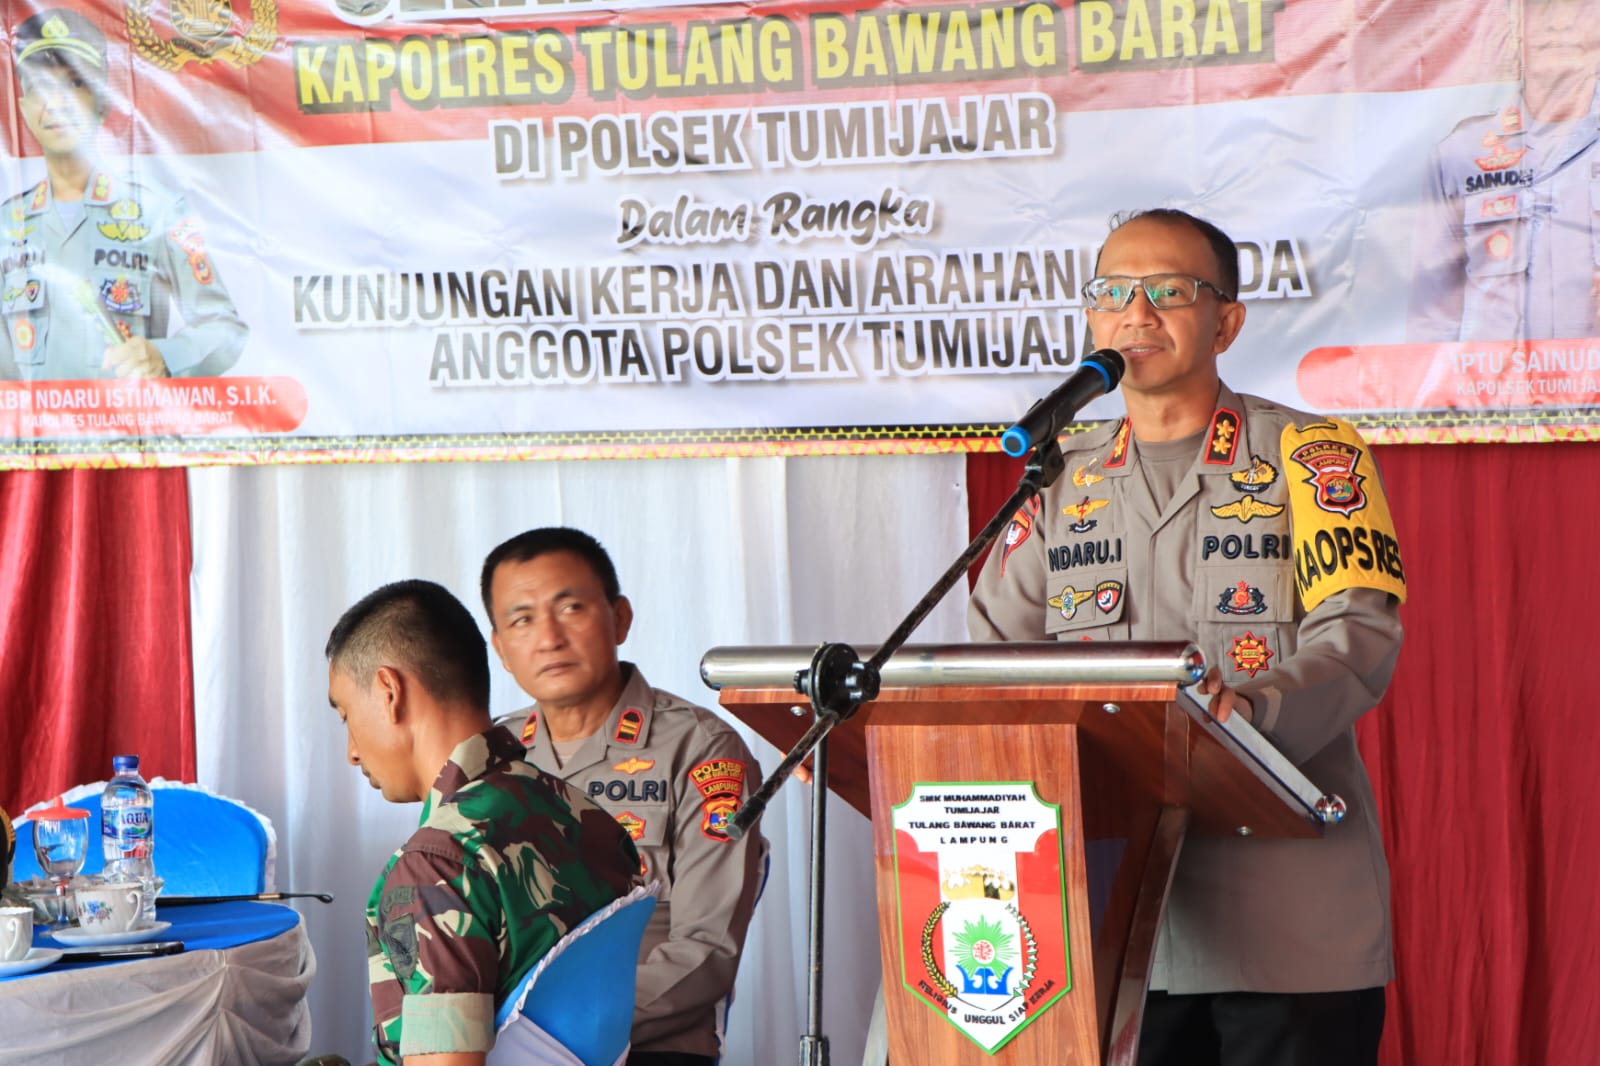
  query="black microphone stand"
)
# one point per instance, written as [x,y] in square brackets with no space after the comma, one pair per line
[837,683]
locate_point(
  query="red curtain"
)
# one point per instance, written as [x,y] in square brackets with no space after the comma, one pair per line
[95,650]
[1482,752]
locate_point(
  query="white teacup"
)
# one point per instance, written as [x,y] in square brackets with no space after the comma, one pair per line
[16,933]
[112,907]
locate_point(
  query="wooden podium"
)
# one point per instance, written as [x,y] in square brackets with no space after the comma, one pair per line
[945,759]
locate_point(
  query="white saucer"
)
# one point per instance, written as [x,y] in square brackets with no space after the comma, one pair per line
[79,938]
[35,959]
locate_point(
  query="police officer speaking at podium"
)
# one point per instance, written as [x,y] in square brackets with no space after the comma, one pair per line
[1262,534]
[94,259]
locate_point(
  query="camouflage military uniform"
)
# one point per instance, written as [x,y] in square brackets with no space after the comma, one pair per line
[505,861]
[1275,554]
[69,293]
[1509,244]
[673,774]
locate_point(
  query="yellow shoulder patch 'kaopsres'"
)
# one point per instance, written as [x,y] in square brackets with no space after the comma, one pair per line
[1343,535]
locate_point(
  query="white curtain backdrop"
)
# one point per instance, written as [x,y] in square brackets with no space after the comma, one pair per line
[711,552]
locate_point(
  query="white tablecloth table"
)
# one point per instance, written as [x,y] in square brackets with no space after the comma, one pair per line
[234,1004]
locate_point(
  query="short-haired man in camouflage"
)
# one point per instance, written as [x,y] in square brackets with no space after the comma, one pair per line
[506,858]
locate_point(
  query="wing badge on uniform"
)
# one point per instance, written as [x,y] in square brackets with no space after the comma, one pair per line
[1246,508]
[124,224]
[1069,599]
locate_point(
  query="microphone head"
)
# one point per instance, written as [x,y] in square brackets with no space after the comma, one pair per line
[1110,363]
[1015,442]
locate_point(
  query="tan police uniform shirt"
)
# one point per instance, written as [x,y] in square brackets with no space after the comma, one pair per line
[673,774]
[121,270]
[1508,242]
[1096,559]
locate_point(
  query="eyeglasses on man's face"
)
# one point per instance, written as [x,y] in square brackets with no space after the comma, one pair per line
[1164,291]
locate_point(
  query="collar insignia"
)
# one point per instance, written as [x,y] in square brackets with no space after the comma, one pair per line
[1119,446]
[628,726]
[1224,437]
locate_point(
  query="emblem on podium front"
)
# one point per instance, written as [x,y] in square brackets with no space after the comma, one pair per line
[982,921]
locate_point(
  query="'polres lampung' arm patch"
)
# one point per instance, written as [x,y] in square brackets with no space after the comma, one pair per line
[1343,534]
[721,784]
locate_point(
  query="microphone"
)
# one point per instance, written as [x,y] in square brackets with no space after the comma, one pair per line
[1098,374]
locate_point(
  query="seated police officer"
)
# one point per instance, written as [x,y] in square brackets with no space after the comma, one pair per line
[670,772]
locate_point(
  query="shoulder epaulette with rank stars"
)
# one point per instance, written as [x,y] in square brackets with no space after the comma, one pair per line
[628,726]
[530,728]
[1342,531]
[1223,437]
[1119,445]
[99,189]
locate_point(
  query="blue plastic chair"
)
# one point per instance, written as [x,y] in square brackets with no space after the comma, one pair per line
[206,845]
[575,1007]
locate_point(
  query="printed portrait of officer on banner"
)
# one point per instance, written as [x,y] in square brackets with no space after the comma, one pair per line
[107,274]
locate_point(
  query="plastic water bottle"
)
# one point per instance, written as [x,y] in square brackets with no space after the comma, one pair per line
[128,830]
